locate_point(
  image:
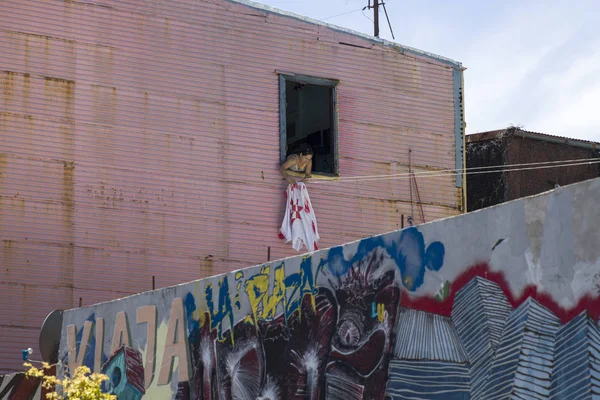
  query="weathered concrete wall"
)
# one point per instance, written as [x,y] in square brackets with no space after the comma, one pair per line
[499,301]
[141,140]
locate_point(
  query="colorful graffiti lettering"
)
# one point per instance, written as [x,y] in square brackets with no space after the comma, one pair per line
[224,309]
[282,308]
[257,289]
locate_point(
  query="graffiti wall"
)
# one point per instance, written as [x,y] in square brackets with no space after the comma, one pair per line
[19,387]
[497,303]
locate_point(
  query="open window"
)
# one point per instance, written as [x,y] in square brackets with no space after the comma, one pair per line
[308,116]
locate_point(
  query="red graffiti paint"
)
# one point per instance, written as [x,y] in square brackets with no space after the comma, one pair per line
[432,305]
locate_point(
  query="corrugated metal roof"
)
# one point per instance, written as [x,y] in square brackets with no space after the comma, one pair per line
[513,131]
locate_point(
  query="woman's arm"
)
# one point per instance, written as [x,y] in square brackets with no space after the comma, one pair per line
[291,160]
[307,170]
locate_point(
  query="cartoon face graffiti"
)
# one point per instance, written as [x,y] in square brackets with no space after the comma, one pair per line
[367,299]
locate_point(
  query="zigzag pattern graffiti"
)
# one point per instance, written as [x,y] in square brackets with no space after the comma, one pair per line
[479,313]
[577,342]
[437,340]
[439,380]
[523,353]
[523,360]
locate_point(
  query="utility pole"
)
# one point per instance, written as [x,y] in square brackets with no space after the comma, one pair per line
[376,16]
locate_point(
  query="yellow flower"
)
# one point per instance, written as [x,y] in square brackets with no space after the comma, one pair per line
[83,385]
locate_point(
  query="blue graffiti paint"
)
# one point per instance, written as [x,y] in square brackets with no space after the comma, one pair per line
[408,252]
[434,256]
[412,257]
[366,246]
[338,266]
[193,325]
[224,310]
[303,283]
[88,359]
[336,263]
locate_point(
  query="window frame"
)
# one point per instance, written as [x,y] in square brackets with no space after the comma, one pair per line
[304,79]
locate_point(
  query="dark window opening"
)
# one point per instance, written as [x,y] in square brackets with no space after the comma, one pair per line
[308,117]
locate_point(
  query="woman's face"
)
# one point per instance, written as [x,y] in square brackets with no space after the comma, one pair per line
[305,158]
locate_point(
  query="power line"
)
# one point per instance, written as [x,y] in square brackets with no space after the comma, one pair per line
[366,16]
[471,171]
[339,15]
[495,167]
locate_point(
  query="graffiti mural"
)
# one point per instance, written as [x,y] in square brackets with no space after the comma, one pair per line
[488,350]
[315,326]
[310,327]
[19,387]
[446,310]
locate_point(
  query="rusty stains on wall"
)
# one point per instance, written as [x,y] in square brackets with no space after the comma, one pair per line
[206,266]
[69,187]
[8,85]
[104,103]
[68,214]
[26,90]
[7,256]
[62,91]
[144,139]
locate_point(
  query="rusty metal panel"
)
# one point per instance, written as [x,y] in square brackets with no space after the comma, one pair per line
[139,143]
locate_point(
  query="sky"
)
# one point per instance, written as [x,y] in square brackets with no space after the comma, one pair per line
[532,64]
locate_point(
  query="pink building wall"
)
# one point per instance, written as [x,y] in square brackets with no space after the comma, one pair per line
[141,139]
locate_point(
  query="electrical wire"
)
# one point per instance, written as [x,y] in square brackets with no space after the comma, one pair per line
[580,160]
[366,16]
[339,15]
[441,173]
[468,171]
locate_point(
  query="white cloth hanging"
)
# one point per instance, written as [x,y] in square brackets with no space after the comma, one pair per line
[299,224]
